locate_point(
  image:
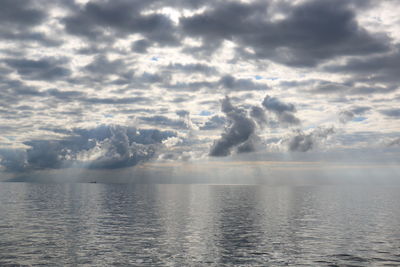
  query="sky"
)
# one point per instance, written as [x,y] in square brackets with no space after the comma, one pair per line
[186,88]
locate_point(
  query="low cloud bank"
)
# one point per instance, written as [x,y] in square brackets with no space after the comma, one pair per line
[104,147]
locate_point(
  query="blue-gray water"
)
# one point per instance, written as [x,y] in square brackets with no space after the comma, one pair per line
[198,225]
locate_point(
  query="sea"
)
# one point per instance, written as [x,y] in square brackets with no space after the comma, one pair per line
[93,224]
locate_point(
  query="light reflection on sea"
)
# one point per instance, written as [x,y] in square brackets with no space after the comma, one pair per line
[198,225]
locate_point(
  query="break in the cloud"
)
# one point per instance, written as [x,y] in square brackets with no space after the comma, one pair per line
[292,72]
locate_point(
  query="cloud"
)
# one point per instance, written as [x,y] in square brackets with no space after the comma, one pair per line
[393,142]
[116,151]
[115,101]
[97,20]
[65,95]
[283,111]
[159,120]
[346,116]
[20,13]
[215,122]
[12,160]
[46,69]
[182,113]
[350,86]
[302,142]
[101,65]
[19,19]
[104,147]
[252,144]
[190,86]
[140,46]
[239,131]
[258,114]
[393,112]
[350,114]
[165,64]
[373,70]
[192,68]
[301,38]
[232,84]
[275,105]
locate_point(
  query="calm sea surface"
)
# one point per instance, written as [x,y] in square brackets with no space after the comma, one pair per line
[198,225]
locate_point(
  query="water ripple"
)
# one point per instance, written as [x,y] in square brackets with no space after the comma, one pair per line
[198,225]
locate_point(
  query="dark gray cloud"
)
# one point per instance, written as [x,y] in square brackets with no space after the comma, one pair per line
[379,64]
[147,78]
[393,112]
[312,31]
[359,110]
[104,71]
[46,69]
[250,145]
[97,20]
[20,13]
[283,111]
[350,86]
[65,95]
[104,147]
[273,104]
[239,131]
[302,142]
[16,88]
[141,46]
[232,84]
[19,19]
[316,86]
[85,98]
[190,4]
[373,69]
[13,91]
[370,74]
[24,37]
[114,100]
[101,65]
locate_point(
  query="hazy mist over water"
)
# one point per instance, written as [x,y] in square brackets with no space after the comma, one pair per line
[198,225]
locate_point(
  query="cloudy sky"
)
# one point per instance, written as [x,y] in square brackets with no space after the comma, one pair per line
[139,85]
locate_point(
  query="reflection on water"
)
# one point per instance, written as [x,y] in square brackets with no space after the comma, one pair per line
[198,225]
